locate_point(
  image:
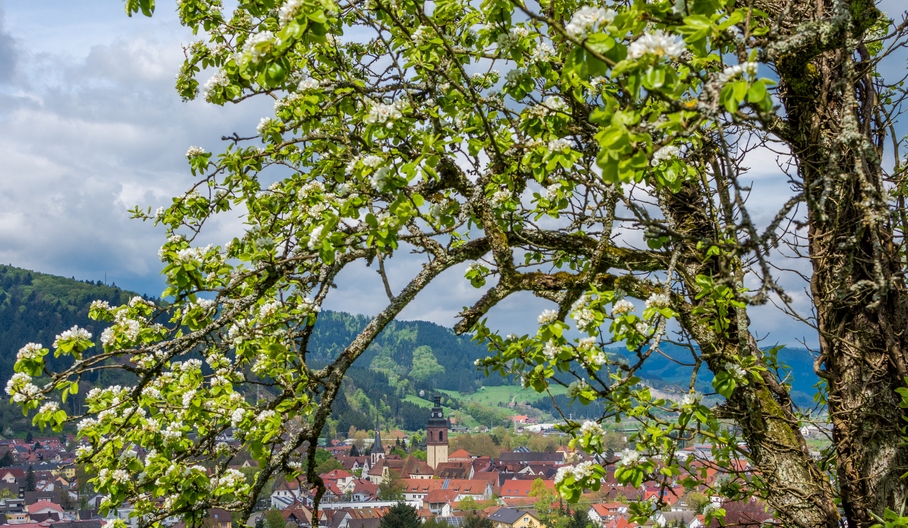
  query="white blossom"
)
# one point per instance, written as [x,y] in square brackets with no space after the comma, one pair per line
[218,80]
[689,399]
[30,351]
[99,304]
[269,309]
[547,316]
[71,334]
[559,145]
[49,407]
[421,34]
[194,151]
[736,372]
[731,72]
[500,197]
[658,44]
[315,237]
[622,307]
[187,398]
[237,417]
[588,20]
[551,350]
[658,300]
[555,104]
[120,476]
[289,11]
[307,84]
[628,457]
[591,428]
[382,113]
[264,416]
[576,388]
[251,46]
[543,52]
[665,153]
[263,125]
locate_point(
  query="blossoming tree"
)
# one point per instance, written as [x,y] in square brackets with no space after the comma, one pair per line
[602,167]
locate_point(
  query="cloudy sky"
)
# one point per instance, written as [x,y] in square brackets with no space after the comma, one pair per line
[90,126]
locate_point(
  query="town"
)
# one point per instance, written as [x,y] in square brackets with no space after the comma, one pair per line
[42,487]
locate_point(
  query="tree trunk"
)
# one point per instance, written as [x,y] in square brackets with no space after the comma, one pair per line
[857,283]
[795,487]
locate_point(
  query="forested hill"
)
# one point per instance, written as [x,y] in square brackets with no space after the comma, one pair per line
[408,359]
[429,355]
[35,307]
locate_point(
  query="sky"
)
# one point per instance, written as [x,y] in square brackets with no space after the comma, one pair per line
[90,126]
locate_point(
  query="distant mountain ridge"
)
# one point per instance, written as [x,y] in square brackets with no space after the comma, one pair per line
[408,359]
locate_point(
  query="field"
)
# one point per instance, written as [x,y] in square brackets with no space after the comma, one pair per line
[501,394]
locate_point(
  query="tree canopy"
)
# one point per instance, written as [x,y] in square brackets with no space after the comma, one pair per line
[593,155]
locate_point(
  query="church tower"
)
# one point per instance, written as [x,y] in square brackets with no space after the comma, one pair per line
[378,451]
[437,436]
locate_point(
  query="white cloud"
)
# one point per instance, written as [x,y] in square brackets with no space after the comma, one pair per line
[90,125]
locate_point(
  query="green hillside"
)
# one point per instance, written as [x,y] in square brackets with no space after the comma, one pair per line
[393,381]
[35,307]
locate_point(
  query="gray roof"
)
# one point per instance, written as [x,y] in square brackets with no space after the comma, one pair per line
[508,515]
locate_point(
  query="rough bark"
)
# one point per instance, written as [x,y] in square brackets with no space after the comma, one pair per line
[795,487]
[857,283]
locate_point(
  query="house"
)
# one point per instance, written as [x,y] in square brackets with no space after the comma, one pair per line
[519,489]
[461,455]
[512,518]
[363,491]
[339,477]
[523,458]
[298,515]
[687,519]
[288,493]
[418,489]
[462,469]
[44,506]
[600,514]
[11,475]
[218,518]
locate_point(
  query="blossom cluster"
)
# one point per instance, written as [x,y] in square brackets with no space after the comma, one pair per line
[21,388]
[253,48]
[580,472]
[628,457]
[593,356]
[657,44]
[381,113]
[217,81]
[737,372]
[194,151]
[587,20]
[550,105]
[547,316]
[622,307]
[290,11]
[729,73]
[689,399]
[543,52]
[31,351]
[73,334]
[666,153]
[576,388]
[658,300]
[582,313]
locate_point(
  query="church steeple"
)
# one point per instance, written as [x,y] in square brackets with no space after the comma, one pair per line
[437,436]
[378,451]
